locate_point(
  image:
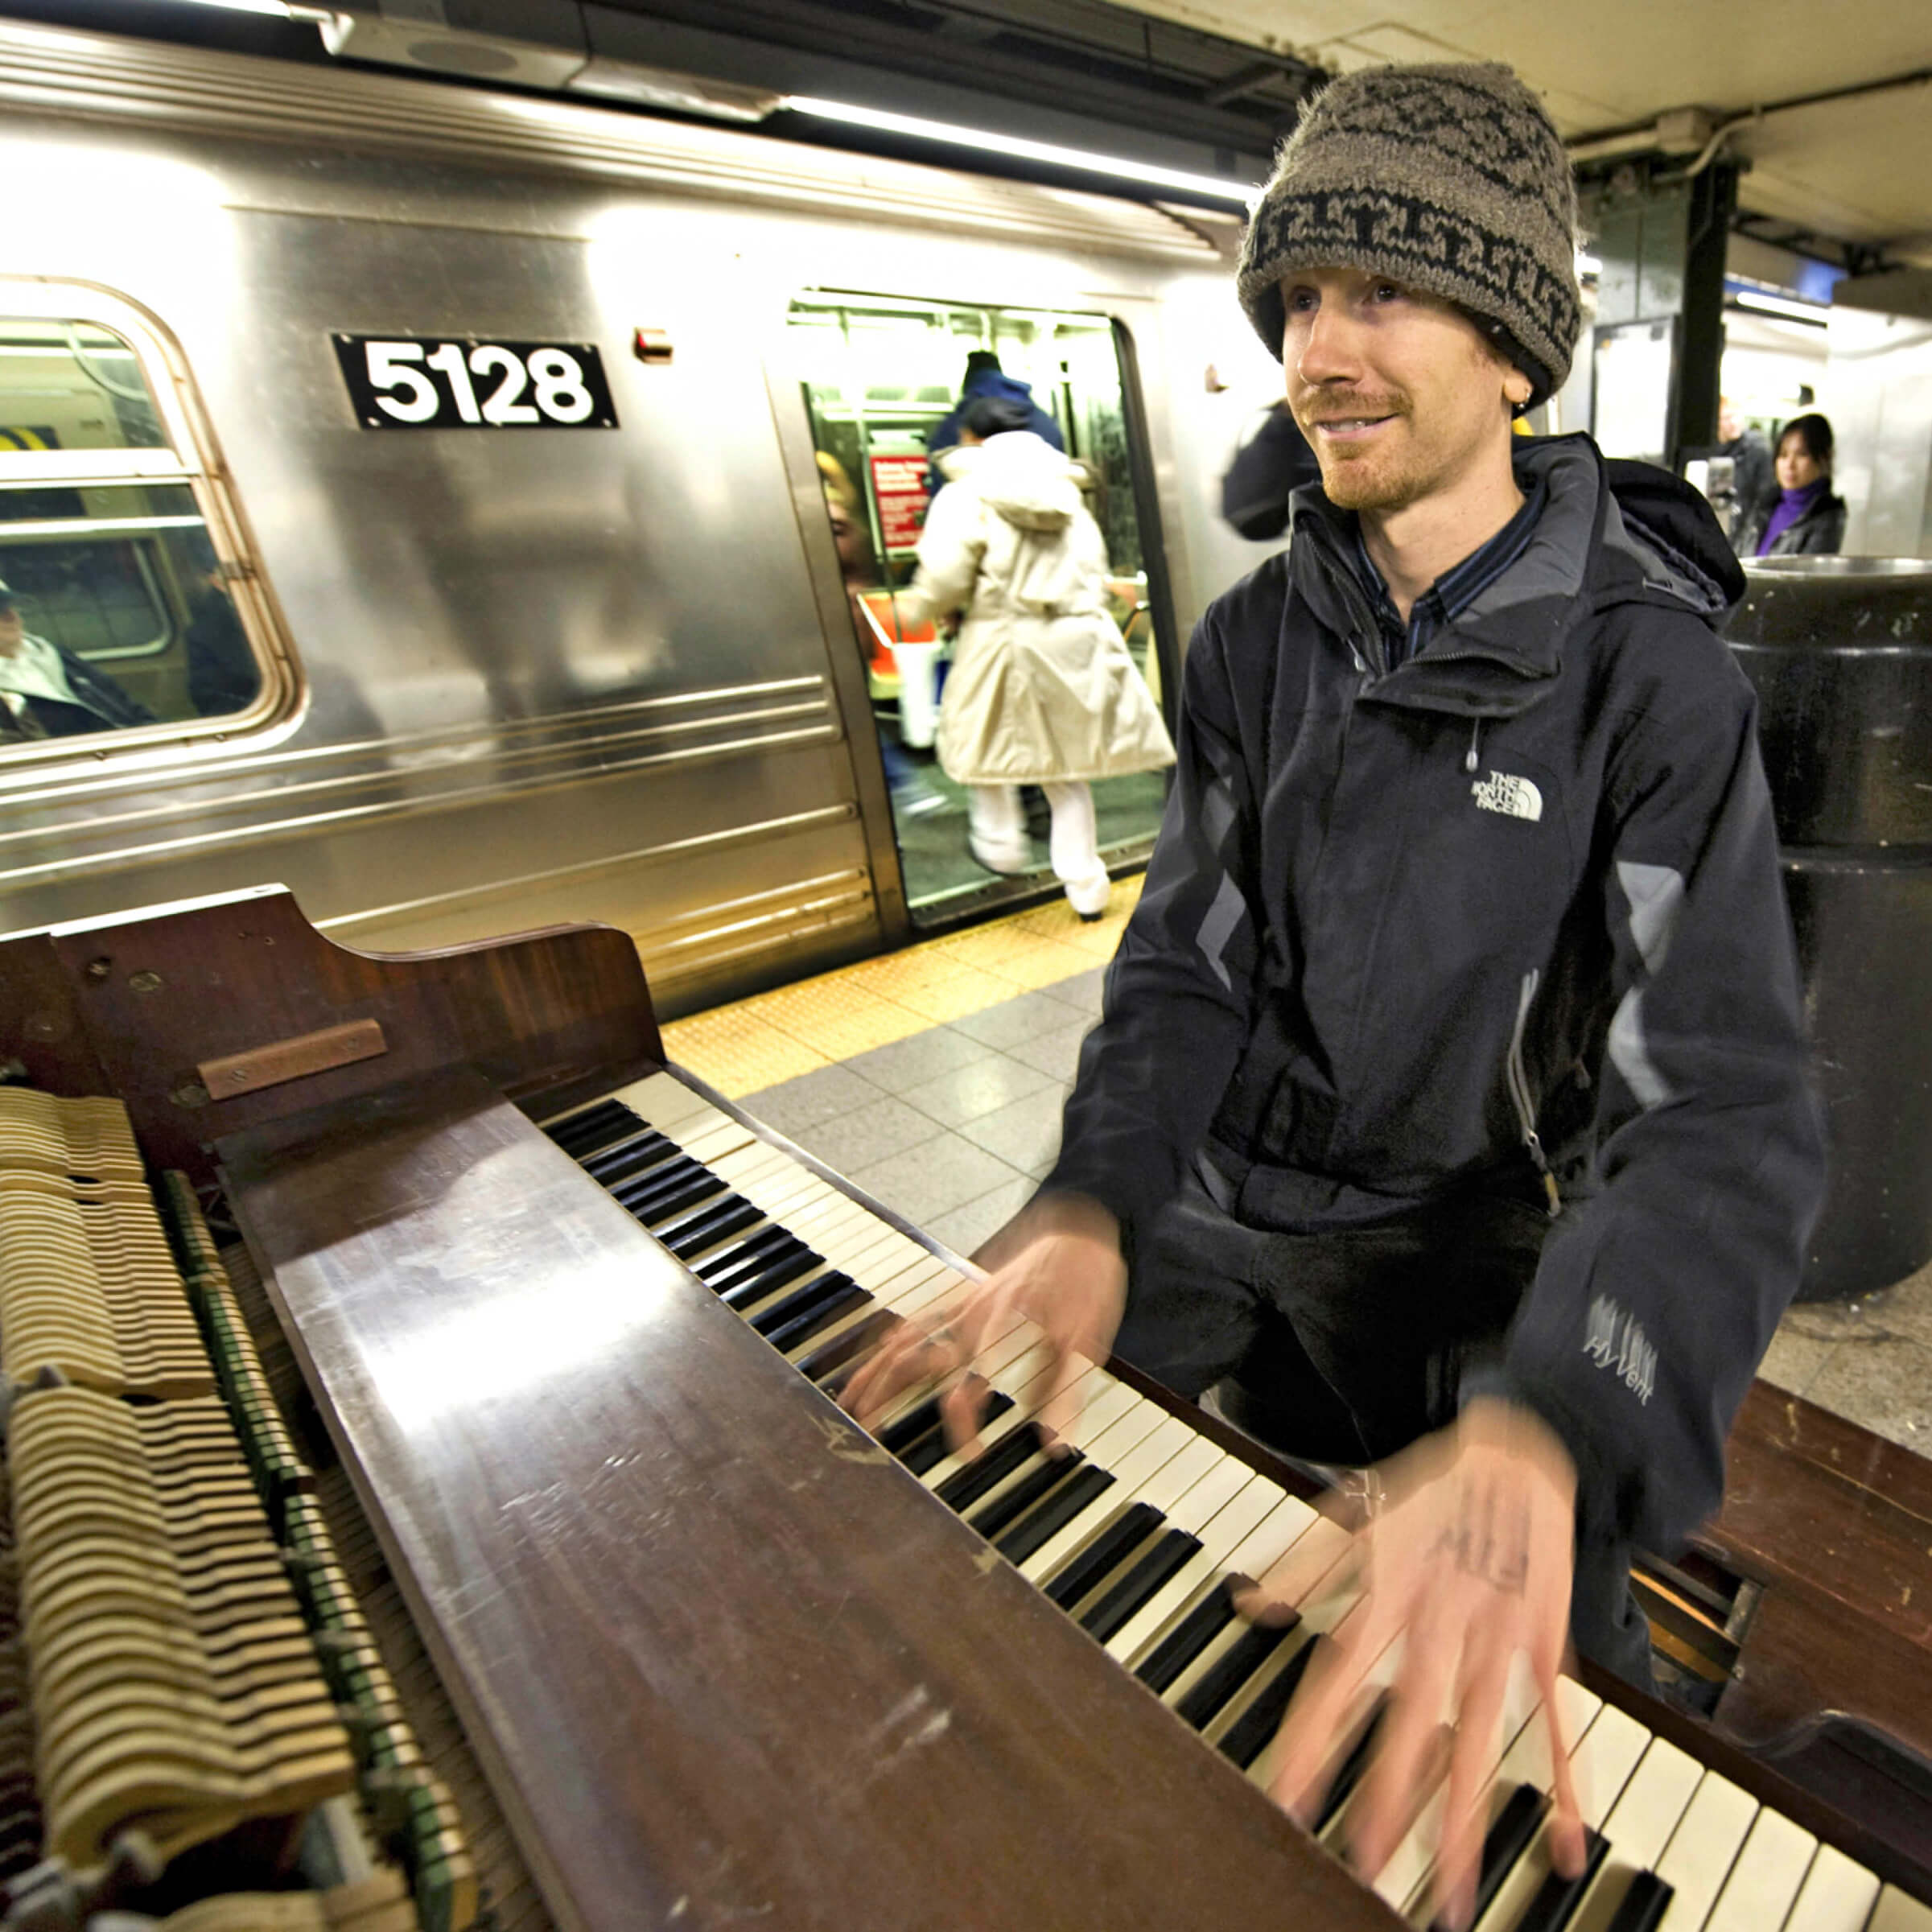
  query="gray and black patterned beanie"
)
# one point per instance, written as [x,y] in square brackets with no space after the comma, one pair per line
[1452,178]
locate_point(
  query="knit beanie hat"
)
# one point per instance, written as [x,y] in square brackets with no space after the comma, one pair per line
[1451,178]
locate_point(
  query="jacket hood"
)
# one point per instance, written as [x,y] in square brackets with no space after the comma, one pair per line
[1020,476]
[996,382]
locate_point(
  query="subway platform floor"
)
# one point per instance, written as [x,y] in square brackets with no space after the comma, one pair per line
[934,1078]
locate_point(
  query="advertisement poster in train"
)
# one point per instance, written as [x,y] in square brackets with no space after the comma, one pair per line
[899,489]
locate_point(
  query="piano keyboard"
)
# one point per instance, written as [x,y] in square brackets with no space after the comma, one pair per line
[1144,1531]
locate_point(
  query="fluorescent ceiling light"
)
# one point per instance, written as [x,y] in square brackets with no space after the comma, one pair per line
[1782,305]
[923,130]
[280,9]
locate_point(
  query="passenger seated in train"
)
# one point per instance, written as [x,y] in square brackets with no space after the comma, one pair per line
[222,673]
[1802,516]
[1449,1112]
[47,691]
[1042,690]
[985,379]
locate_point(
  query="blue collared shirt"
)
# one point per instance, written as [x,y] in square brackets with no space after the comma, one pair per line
[1454,591]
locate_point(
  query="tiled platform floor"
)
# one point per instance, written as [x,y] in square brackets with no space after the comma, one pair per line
[934,1078]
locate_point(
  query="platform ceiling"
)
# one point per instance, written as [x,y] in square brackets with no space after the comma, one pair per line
[1858,168]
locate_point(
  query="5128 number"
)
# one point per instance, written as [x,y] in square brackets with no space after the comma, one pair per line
[423,383]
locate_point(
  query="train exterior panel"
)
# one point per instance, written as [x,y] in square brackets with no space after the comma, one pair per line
[525,672]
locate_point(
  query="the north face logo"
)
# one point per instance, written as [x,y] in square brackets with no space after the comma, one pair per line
[1502,792]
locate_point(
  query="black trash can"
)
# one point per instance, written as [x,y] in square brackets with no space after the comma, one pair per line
[1840,649]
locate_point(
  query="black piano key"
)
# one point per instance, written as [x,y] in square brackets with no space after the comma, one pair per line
[1643,1904]
[1352,1769]
[667,1203]
[1083,1572]
[628,1158]
[642,1195]
[1558,1898]
[1188,1637]
[802,1328]
[718,1222]
[904,1433]
[801,1301]
[1040,1526]
[1140,1584]
[780,1273]
[1504,1844]
[595,1127]
[1248,1735]
[991,1518]
[771,1241]
[931,1450]
[1230,1670]
[1006,1457]
[829,1364]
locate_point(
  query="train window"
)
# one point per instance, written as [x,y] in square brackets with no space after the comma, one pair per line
[884,380]
[118,610]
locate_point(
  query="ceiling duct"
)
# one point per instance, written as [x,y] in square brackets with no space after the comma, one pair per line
[531,42]
[537,43]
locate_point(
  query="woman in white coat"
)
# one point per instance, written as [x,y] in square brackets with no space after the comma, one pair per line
[1042,691]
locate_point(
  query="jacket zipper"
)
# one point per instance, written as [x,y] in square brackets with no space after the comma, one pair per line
[1519,1093]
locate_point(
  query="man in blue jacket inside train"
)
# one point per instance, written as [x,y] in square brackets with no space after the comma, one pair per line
[1449,1111]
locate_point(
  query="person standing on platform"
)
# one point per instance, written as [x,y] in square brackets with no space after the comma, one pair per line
[1802,517]
[1267,470]
[1042,691]
[985,381]
[1449,1112]
[1751,477]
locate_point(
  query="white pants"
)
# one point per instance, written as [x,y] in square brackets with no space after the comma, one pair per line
[999,833]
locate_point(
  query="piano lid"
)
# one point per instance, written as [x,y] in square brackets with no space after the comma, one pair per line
[213,1015]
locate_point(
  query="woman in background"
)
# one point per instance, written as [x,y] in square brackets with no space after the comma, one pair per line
[1802,518]
[1042,690]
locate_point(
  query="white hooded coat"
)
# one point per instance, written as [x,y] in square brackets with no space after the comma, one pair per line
[1042,688]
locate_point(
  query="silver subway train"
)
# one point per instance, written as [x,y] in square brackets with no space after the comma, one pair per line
[437,482]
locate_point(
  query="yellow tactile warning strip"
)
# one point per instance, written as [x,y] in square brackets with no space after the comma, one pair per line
[755,1043]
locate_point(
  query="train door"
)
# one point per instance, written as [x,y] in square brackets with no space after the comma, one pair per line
[883,379]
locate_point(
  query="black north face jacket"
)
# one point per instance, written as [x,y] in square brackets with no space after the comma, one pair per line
[1506,918]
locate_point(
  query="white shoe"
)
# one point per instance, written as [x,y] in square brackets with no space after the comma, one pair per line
[1088,897]
[1004,857]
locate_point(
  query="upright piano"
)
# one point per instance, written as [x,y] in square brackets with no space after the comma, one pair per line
[425,1506]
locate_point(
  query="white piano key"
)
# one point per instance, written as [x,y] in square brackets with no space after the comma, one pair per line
[1314,1574]
[1765,1881]
[716,1138]
[1703,1849]
[1244,1512]
[1898,1911]
[1639,1827]
[1406,1880]
[1168,1440]
[1528,1762]
[1837,1895]
[661,1100]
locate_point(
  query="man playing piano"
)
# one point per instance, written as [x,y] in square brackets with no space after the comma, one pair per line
[1448,1113]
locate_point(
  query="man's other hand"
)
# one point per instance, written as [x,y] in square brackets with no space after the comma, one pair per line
[1467,1557]
[1068,1279]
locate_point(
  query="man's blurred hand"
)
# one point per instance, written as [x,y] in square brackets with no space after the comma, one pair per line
[1467,1555]
[1068,1279]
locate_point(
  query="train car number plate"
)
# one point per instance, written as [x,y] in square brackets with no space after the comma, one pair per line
[427,382]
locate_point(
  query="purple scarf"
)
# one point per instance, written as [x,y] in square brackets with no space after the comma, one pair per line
[1791,505]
